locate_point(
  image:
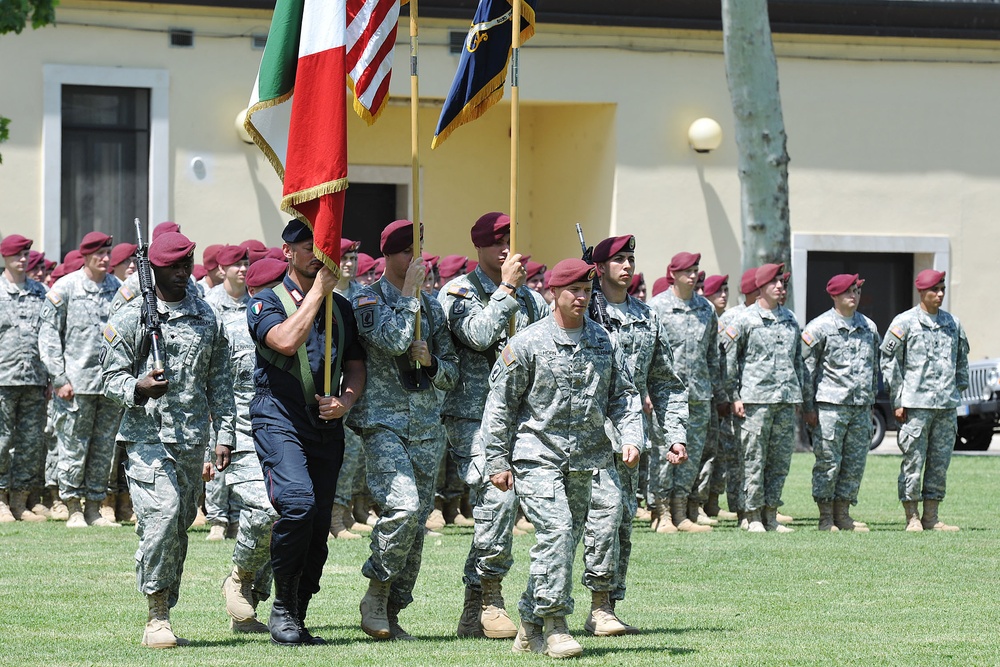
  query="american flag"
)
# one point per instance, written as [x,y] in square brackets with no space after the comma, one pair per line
[371,38]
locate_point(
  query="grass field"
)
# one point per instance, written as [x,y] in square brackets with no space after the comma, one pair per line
[724,598]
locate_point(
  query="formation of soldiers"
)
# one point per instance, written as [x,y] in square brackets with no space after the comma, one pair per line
[478,391]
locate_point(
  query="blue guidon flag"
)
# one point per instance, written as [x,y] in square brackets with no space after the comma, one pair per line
[482,71]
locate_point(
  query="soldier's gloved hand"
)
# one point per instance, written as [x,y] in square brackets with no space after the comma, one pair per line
[152,385]
[630,455]
[503,480]
[512,271]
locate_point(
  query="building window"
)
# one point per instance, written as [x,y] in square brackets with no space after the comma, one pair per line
[105,161]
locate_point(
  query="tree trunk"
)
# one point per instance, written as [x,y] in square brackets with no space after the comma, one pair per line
[752,72]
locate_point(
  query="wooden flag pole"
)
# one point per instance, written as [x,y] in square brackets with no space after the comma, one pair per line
[515,129]
[415,145]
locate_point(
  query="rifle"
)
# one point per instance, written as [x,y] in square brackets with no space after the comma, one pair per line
[598,308]
[150,317]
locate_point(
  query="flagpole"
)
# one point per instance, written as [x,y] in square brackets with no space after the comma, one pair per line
[515,128]
[415,147]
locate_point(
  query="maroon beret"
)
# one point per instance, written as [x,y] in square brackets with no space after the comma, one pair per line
[276,253]
[608,248]
[767,273]
[397,237]
[379,267]
[490,229]
[714,283]
[365,264]
[231,254]
[748,283]
[93,242]
[683,260]
[34,257]
[165,227]
[928,278]
[473,263]
[636,282]
[452,265]
[265,271]
[168,248]
[570,271]
[660,285]
[840,283]
[13,244]
[199,272]
[210,255]
[533,269]
[430,260]
[347,245]
[121,252]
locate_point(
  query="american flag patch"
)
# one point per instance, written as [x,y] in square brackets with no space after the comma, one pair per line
[110,334]
[732,332]
[365,301]
[508,356]
[898,332]
[257,307]
[807,338]
[126,293]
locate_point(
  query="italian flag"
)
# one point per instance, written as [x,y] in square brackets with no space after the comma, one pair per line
[297,115]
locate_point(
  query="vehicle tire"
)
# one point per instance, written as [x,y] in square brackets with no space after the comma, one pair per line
[974,438]
[878,428]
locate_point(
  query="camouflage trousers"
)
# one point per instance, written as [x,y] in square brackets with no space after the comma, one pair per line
[709,457]
[727,475]
[926,440]
[840,443]
[401,477]
[354,460]
[86,428]
[768,438]
[556,503]
[607,535]
[252,552]
[165,482]
[22,442]
[677,481]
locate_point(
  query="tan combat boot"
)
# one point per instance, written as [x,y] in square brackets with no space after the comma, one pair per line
[529,638]
[754,522]
[678,511]
[558,642]
[843,520]
[108,507]
[468,623]
[931,521]
[374,610]
[912,511]
[826,517]
[6,516]
[75,509]
[237,589]
[771,523]
[19,508]
[92,515]
[124,512]
[158,633]
[602,622]
[494,618]
[58,510]
[338,528]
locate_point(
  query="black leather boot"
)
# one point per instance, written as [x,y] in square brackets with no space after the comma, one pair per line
[284,624]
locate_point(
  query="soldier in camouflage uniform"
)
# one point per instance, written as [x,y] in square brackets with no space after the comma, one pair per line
[840,349]
[399,417]
[551,391]
[167,419]
[694,338]
[69,341]
[767,382]
[22,383]
[638,332]
[480,306]
[925,363]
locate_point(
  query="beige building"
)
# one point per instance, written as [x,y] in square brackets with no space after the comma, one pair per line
[127,109]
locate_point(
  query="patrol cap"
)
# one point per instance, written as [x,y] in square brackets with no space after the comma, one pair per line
[34,257]
[840,283]
[347,245]
[13,244]
[209,256]
[748,282]
[295,231]
[570,271]
[714,283]
[660,285]
[490,228]
[397,236]
[94,241]
[169,247]
[608,248]
[637,282]
[683,260]
[451,265]
[767,273]
[365,263]
[165,228]
[533,269]
[121,252]
[430,260]
[928,278]
[266,271]
[231,254]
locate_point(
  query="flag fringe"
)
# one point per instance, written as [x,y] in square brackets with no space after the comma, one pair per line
[258,138]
